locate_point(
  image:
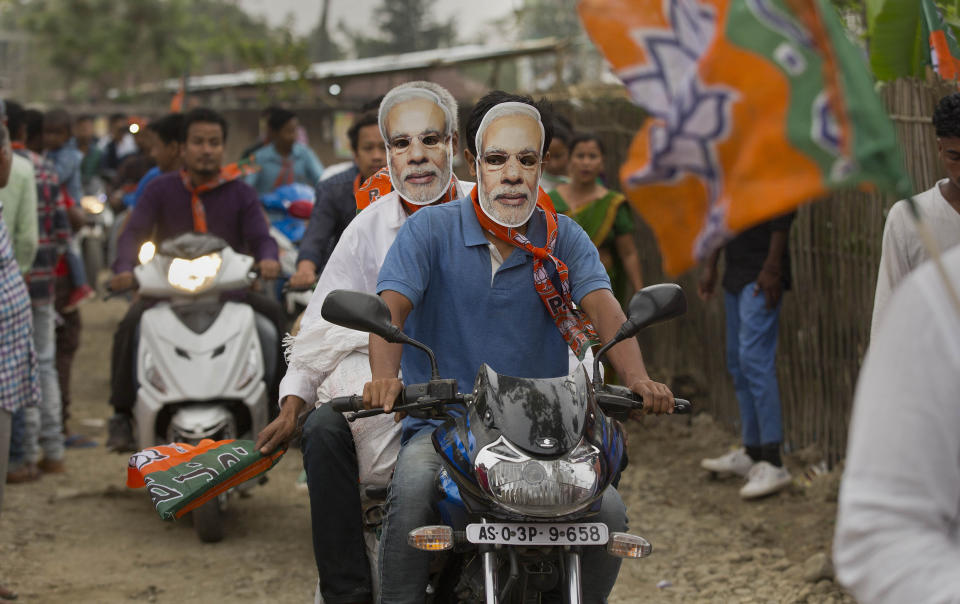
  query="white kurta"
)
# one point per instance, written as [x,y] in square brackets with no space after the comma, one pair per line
[898,527]
[902,249]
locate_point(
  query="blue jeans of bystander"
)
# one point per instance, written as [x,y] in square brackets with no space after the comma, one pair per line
[751,354]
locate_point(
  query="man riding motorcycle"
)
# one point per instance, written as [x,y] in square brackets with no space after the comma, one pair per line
[419,122]
[454,282]
[198,198]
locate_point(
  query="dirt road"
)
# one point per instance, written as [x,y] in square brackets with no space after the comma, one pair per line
[83,537]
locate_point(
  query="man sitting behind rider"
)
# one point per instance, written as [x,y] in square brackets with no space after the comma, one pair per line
[197,198]
[284,161]
[419,122]
[455,282]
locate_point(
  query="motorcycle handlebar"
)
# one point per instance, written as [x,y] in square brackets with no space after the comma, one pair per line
[345,404]
[680,405]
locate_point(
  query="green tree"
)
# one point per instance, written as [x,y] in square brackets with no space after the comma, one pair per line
[96,45]
[404,26]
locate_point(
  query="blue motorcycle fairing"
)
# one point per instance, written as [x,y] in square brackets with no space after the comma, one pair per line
[526,412]
[451,507]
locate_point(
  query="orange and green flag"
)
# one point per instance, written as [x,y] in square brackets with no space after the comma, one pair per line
[944,50]
[756,107]
[181,477]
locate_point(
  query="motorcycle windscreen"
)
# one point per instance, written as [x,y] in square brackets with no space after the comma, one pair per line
[541,416]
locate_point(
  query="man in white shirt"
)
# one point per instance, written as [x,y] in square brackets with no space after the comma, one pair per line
[902,249]
[897,537]
[418,121]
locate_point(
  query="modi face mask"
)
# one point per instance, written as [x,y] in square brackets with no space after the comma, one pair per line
[414,124]
[509,158]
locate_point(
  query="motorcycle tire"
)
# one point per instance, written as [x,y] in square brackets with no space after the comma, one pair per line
[208,521]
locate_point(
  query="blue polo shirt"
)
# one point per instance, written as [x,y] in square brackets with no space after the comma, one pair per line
[440,261]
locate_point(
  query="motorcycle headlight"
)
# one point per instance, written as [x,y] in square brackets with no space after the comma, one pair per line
[194,275]
[539,487]
[92,204]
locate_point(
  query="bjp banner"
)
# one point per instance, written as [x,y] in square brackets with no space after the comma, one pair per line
[944,50]
[181,477]
[756,107]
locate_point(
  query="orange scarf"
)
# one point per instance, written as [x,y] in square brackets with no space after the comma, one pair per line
[380,184]
[573,323]
[228,173]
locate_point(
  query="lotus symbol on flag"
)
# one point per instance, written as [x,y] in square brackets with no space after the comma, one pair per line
[757,106]
[692,117]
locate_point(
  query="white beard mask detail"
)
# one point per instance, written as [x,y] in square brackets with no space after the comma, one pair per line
[506,215]
[421,196]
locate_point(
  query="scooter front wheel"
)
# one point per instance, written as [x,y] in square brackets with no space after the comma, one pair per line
[208,521]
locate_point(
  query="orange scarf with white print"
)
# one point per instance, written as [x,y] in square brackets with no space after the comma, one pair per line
[573,323]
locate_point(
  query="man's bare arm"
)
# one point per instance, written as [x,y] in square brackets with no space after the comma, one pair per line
[607,317]
[384,386]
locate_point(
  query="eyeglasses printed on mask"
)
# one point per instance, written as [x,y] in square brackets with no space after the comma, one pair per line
[430,140]
[495,160]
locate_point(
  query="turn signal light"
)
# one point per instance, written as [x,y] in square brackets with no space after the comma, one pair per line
[624,545]
[431,538]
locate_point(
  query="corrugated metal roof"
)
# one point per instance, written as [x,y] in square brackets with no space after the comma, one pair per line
[358,67]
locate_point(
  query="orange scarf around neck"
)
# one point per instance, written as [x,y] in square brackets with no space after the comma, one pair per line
[573,323]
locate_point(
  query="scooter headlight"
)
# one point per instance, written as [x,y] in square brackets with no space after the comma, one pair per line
[195,275]
[92,204]
[537,487]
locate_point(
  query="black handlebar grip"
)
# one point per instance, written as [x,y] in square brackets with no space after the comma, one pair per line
[345,404]
[682,406]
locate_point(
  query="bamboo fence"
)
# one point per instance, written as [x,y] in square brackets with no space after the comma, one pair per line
[825,319]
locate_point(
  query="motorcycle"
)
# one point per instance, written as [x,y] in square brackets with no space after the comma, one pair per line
[288,209]
[203,363]
[93,237]
[525,464]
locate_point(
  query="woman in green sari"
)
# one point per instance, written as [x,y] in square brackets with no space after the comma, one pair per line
[603,214]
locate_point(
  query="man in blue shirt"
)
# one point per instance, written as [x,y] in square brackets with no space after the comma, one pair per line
[284,161]
[460,279]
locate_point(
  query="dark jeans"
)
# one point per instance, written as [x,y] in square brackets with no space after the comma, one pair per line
[330,460]
[68,341]
[123,392]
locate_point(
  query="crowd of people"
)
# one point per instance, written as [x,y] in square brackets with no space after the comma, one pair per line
[524,267]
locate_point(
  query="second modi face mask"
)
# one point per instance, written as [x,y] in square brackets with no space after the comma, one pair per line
[509,156]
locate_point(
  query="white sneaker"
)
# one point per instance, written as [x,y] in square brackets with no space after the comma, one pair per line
[764,478]
[735,462]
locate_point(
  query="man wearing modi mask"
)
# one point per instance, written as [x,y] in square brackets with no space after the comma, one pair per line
[458,278]
[418,121]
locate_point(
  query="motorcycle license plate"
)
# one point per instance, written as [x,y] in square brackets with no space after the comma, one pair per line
[502,533]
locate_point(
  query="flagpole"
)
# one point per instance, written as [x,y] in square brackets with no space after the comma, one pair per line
[933,249]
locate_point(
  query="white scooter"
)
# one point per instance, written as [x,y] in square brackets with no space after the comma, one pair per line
[202,363]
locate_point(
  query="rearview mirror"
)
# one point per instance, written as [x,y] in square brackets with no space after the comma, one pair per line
[650,305]
[654,304]
[360,311]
